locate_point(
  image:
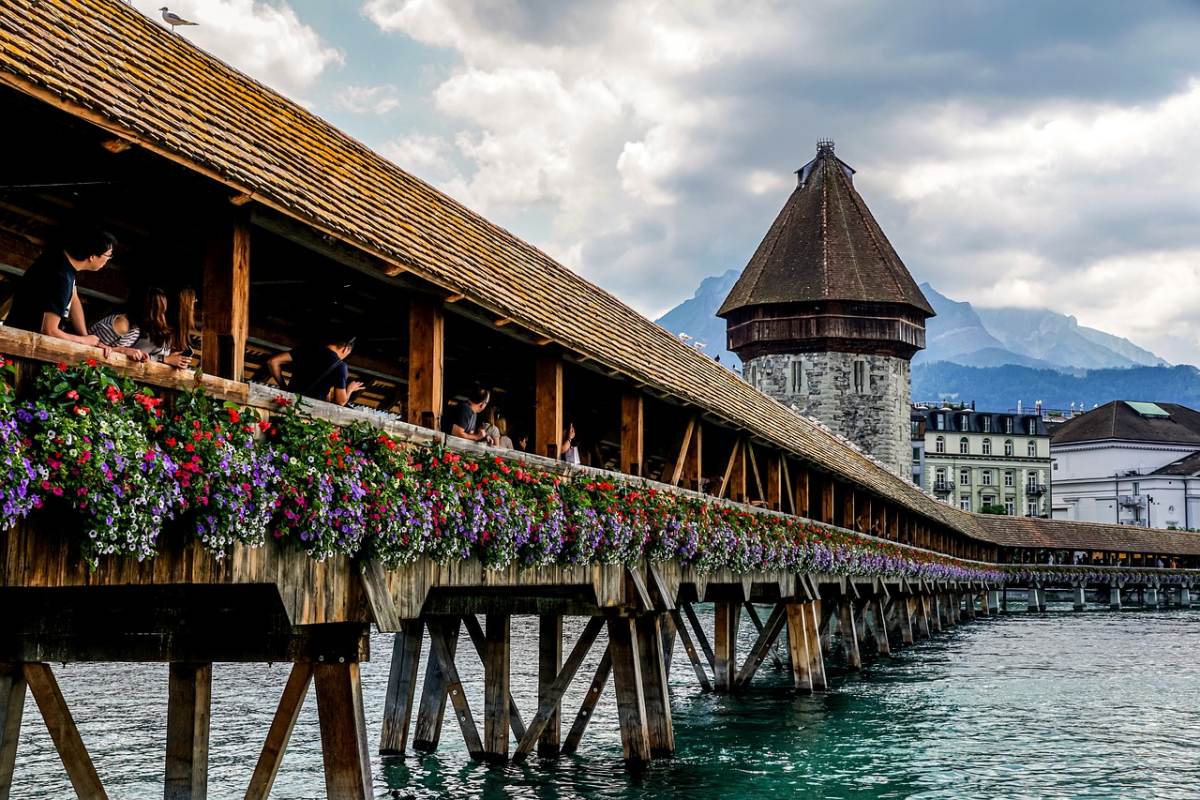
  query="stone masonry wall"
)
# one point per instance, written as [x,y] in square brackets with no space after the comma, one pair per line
[875,418]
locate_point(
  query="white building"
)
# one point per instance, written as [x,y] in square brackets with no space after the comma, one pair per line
[1129,462]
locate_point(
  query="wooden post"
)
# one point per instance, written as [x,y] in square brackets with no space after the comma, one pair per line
[63,732]
[827,501]
[426,362]
[659,728]
[693,459]
[879,624]
[816,661]
[226,299]
[402,684]
[774,479]
[767,634]
[726,616]
[549,662]
[737,475]
[428,729]
[802,478]
[627,679]
[599,681]
[550,699]
[848,633]
[12,708]
[864,505]
[343,731]
[848,512]
[189,698]
[495,688]
[798,643]
[280,732]
[548,425]
[632,448]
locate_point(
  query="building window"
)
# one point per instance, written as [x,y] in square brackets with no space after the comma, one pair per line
[1008,424]
[1031,508]
[986,477]
[1137,488]
[964,477]
[1032,426]
[939,444]
[988,500]
[860,376]
[939,421]
[987,424]
[964,502]
[799,382]
[964,423]
[916,454]
[751,374]
[1009,478]
[987,447]
[1032,449]
[1010,507]
[1008,447]
[964,445]
[916,428]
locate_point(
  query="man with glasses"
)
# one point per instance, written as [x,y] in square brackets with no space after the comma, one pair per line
[46,295]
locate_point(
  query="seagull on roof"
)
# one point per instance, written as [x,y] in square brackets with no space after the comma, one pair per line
[173,19]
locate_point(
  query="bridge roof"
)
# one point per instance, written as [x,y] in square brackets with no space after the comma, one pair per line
[1057,534]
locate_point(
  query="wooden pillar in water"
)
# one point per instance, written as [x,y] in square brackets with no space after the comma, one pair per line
[548,424]
[848,633]
[798,646]
[63,731]
[427,731]
[933,604]
[225,298]
[496,687]
[12,708]
[550,636]
[343,732]
[1114,597]
[726,618]
[402,684]
[280,732]
[660,730]
[189,698]
[968,605]
[627,680]
[1185,596]
[426,362]
[1080,598]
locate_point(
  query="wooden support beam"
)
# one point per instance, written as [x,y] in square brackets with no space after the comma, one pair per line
[548,423]
[440,638]
[550,696]
[724,488]
[627,679]
[693,467]
[280,732]
[849,515]
[225,298]
[759,626]
[426,362]
[727,616]
[864,505]
[189,701]
[752,458]
[677,474]
[737,476]
[893,522]
[762,646]
[879,626]
[659,728]
[63,732]
[798,641]
[633,455]
[12,709]
[803,481]
[550,636]
[401,688]
[774,481]
[479,641]
[428,729]
[827,501]
[879,521]
[816,663]
[586,709]
[689,647]
[698,631]
[496,688]
[788,486]
[848,633]
[343,731]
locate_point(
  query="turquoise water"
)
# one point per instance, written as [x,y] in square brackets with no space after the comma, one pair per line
[1096,705]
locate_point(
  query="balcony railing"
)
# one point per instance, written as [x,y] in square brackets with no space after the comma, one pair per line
[943,487]
[1035,489]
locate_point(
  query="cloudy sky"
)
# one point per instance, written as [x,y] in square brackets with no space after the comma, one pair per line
[1020,153]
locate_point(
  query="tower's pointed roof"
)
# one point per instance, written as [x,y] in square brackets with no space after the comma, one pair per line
[825,245]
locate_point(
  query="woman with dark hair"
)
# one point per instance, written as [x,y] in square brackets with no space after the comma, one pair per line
[142,332]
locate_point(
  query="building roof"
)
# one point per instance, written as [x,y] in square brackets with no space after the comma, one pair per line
[1054,534]
[966,420]
[106,63]
[1186,466]
[1122,420]
[825,245]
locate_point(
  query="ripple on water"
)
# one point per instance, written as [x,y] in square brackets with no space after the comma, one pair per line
[1097,705]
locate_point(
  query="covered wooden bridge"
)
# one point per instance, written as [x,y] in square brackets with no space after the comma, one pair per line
[282,223]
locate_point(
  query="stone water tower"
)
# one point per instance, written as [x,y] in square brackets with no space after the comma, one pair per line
[826,318]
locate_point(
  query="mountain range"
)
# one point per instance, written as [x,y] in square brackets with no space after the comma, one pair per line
[993,356]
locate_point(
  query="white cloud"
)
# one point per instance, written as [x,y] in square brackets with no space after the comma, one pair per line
[368,99]
[266,40]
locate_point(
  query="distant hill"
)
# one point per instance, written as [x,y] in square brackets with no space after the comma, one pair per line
[999,388]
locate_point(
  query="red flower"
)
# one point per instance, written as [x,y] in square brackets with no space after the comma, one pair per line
[235,416]
[72,395]
[62,366]
[282,401]
[191,448]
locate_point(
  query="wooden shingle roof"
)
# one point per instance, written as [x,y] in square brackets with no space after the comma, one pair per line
[1054,534]
[825,245]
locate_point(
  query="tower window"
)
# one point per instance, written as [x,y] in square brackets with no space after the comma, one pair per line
[860,376]
[799,377]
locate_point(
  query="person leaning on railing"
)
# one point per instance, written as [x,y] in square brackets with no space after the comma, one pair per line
[462,420]
[142,331]
[319,371]
[46,296]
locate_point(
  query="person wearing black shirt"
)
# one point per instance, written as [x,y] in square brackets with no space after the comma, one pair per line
[319,371]
[461,421]
[46,295]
